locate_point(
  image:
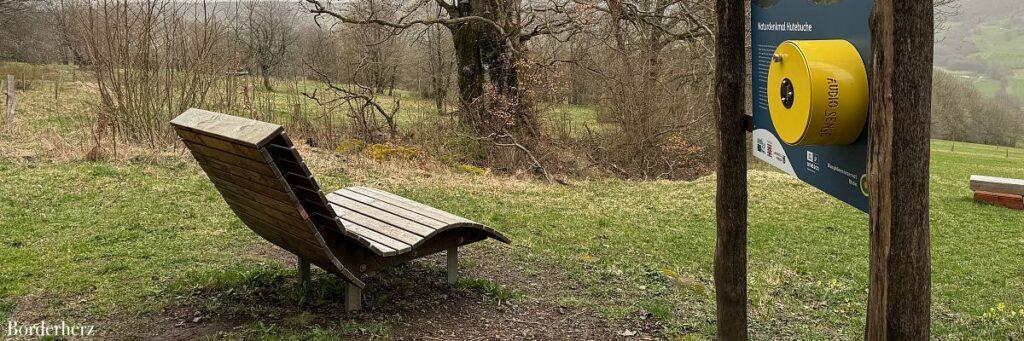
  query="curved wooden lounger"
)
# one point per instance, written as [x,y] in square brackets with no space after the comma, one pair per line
[348,232]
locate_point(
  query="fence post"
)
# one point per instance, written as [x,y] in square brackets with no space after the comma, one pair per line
[731,197]
[899,295]
[10,102]
[56,93]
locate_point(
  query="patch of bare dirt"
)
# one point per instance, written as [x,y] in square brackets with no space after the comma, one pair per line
[178,323]
[30,309]
[532,316]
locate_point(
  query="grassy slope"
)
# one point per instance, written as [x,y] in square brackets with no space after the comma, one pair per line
[999,42]
[116,239]
[136,237]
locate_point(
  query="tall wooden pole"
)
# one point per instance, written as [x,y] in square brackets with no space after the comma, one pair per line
[731,197]
[899,297]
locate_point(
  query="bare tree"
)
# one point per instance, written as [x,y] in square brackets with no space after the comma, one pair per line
[63,15]
[368,117]
[375,51]
[961,113]
[25,34]
[945,9]
[437,67]
[645,68]
[266,32]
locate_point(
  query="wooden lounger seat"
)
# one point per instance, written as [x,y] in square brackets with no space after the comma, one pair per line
[348,232]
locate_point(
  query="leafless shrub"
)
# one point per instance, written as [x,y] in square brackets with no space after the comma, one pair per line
[266,32]
[152,60]
[646,69]
[367,116]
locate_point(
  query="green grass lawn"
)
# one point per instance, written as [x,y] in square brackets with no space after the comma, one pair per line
[102,241]
[134,237]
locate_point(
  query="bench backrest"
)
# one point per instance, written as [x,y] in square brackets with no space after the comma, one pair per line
[263,179]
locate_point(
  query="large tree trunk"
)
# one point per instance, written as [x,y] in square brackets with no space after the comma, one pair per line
[492,102]
[469,62]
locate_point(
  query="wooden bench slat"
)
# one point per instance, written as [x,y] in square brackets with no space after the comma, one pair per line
[263,194]
[405,208]
[359,233]
[403,223]
[410,205]
[269,235]
[385,245]
[280,203]
[298,246]
[242,173]
[997,185]
[270,191]
[315,199]
[302,180]
[451,218]
[282,149]
[228,158]
[403,239]
[245,131]
[283,227]
[220,144]
[430,222]
[284,221]
[283,230]
[286,214]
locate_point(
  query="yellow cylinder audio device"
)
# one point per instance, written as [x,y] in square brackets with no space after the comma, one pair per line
[817,92]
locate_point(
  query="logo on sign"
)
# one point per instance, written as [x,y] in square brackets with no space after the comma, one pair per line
[812,161]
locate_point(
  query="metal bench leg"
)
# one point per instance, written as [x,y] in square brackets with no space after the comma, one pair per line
[453,265]
[303,271]
[353,298]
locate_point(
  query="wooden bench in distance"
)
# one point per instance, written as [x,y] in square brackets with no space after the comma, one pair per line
[1005,192]
[348,232]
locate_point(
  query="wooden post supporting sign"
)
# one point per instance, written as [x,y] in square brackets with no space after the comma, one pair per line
[731,198]
[899,294]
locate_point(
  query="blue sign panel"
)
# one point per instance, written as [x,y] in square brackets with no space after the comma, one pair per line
[838,170]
